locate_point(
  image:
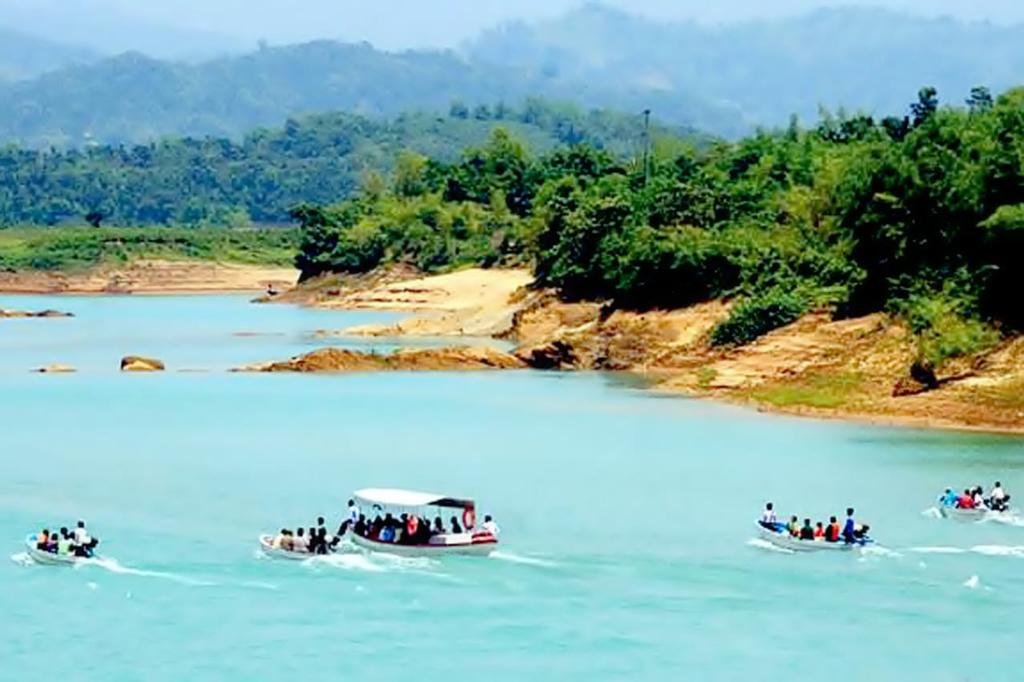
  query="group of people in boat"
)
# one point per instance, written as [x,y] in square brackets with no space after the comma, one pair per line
[406,529]
[317,541]
[974,498]
[850,532]
[76,543]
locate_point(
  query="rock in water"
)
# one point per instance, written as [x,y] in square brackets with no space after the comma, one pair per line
[427,359]
[56,368]
[135,363]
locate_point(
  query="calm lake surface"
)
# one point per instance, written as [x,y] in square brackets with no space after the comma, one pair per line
[627,520]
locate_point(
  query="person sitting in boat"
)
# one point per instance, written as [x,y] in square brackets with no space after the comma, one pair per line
[83,544]
[456,528]
[832,532]
[438,526]
[360,527]
[489,526]
[948,498]
[299,540]
[376,527]
[819,531]
[43,541]
[807,531]
[768,519]
[793,527]
[387,533]
[965,501]
[861,532]
[64,543]
[979,497]
[850,527]
[998,500]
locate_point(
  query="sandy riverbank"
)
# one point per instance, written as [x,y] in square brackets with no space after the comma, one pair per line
[817,367]
[151,277]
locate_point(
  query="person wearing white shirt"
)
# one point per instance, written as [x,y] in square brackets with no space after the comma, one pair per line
[768,517]
[489,526]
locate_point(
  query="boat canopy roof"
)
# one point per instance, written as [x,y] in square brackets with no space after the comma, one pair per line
[392,497]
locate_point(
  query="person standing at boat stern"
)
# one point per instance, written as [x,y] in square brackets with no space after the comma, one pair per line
[849,528]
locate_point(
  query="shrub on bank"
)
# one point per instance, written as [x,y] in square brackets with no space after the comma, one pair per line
[756,316]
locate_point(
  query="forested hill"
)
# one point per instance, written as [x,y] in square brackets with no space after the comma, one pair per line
[920,215]
[258,179]
[865,59]
[725,79]
[134,98]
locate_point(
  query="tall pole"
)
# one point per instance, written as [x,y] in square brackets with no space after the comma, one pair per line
[647,146]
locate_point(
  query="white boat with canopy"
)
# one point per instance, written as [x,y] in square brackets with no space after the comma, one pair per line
[780,537]
[419,507]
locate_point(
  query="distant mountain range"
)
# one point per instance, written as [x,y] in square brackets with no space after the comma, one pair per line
[861,59]
[25,56]
[724,80]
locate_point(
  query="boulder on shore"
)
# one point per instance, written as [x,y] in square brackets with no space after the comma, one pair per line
[135,363]
[56,368]
[920,379]
[552,355]
[426,359]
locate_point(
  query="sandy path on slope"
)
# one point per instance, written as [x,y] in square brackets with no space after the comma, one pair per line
[152,277]
[473,302]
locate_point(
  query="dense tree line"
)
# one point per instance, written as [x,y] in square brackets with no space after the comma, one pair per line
[213,181]
[921,215]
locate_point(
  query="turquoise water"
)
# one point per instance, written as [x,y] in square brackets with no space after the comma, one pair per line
[627,518]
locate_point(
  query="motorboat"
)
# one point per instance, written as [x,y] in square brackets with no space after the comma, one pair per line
[46,558]
[780,537]
[269,550]
[415,505]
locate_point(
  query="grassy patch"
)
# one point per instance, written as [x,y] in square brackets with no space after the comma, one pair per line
[820,389]
[705,375]
[75,249]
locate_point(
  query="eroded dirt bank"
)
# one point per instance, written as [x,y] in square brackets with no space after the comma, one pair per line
[855,368]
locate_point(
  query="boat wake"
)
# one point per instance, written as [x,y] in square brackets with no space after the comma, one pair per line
[373,562]
[984,550]
[767,546]
[23,559]
[520,559]
[932,513]
[1012,518]
[879,551]
[114,566]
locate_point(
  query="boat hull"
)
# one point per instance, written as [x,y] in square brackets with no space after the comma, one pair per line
[968,515]
[786,541]
[47,559]
[473,547]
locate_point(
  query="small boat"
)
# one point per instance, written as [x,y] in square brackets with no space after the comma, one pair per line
[268,549]
[48,559]
[472,542]
[780,537]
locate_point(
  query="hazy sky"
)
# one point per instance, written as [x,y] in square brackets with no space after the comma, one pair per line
[415,23]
